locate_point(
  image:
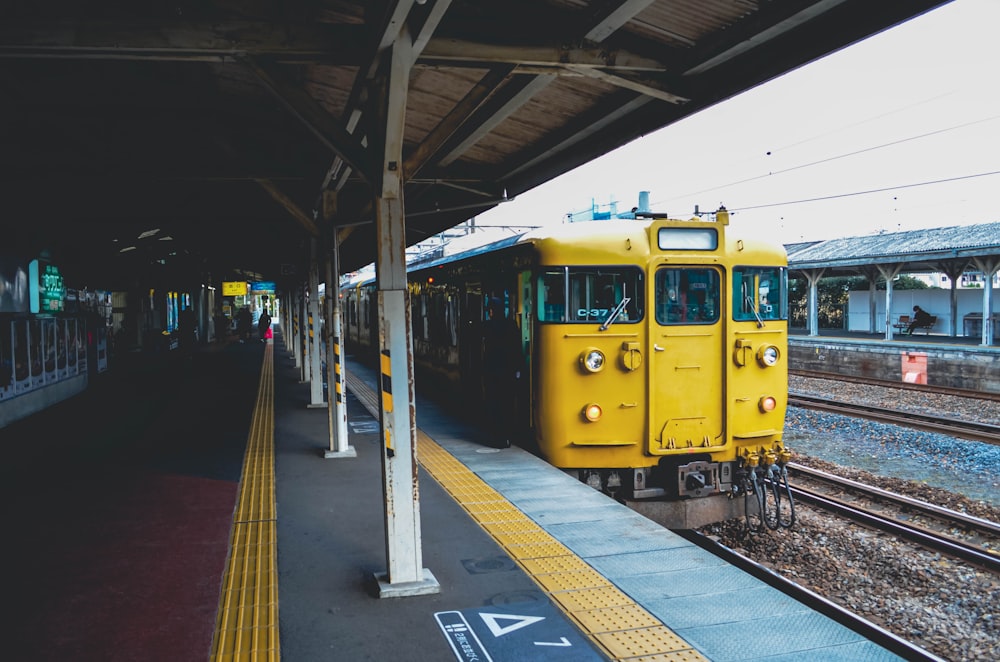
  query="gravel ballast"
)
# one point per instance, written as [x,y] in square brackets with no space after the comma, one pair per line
[948,607]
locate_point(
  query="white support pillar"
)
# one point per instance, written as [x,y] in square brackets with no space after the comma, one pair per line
[989,266]
[336,393]
[405,574]
[314,345]
[286,320]
[889,271]
[872,307]
[303,338]
[871,274]
[953,269]
[812,315]
[296,328]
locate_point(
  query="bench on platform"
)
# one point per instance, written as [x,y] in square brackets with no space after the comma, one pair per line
[904,321]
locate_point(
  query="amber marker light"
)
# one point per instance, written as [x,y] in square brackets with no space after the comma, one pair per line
[767,403]
[592,412]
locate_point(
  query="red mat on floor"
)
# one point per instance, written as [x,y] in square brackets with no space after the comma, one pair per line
[125,567]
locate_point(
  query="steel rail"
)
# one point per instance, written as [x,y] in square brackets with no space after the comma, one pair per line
[972,431]
[929,389]
[905,649]
[958,549]
[923,507]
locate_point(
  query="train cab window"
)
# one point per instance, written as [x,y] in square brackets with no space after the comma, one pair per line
[590,295]
[760,293]
[6,353]
[687,295]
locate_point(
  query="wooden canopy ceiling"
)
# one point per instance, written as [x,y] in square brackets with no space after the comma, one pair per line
[220,135]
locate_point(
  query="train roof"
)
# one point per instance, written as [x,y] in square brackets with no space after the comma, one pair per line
[595,233]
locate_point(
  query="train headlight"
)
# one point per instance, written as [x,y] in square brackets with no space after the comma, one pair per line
[592,360]
[767,403]
[768,355]
[593,412]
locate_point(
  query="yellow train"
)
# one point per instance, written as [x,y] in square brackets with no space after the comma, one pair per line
[646,356]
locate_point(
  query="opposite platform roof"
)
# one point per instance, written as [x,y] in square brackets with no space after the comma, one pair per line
[918,250]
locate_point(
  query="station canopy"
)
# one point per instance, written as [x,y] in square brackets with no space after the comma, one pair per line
[946,250]
[219,136]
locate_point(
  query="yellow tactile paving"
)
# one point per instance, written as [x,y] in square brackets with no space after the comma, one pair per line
[573,580]
[619,626]
[550,564]
[590,599]
[625,644]
[247,619]
[612,619]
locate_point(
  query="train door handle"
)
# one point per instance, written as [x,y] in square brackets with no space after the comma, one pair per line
[657,348]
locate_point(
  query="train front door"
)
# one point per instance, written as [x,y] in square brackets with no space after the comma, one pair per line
[686,361]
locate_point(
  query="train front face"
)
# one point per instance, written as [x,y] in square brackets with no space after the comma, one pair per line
[661,356]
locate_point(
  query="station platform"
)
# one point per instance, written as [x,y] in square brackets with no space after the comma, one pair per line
[185,511]
[928,359]
[918,338]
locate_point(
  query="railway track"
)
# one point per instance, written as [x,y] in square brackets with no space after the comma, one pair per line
[929,389]
[972,431]
[906,649]
[896,514]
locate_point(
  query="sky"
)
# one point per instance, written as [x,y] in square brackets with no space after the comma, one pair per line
[898,132]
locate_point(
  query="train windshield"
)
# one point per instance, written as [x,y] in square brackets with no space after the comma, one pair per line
[687,295]
[592,293]
[760,294]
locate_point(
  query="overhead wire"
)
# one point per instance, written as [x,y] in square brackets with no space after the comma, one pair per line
[846,155]
[867,192]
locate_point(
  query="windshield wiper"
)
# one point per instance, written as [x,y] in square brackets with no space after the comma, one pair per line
[615,312]
[760,320]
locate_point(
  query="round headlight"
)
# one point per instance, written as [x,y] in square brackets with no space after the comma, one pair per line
[768,355]
[592,412]
[767,403]
[592,360]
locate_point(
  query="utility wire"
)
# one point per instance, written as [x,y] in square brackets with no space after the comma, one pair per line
[840,156]
[874,190]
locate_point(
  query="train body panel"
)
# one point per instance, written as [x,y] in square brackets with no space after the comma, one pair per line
[647,356]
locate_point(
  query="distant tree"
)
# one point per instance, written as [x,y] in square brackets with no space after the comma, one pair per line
[903,282]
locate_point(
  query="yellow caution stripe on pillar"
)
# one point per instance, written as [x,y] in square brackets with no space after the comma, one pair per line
[387,398]
[337,368]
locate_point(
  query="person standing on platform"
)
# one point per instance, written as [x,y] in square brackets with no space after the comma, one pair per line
[264,325]
[243,323]
[188,330]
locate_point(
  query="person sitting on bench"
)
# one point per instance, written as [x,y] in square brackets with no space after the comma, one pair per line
[921,319]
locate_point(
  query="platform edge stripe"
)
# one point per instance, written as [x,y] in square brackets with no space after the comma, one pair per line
[512,543]
[247,616]
[571,581]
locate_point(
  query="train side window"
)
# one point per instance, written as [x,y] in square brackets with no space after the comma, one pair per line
[590,294]
[687,296]
[552,296]
[760,293]
[6,353]
[452,311]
